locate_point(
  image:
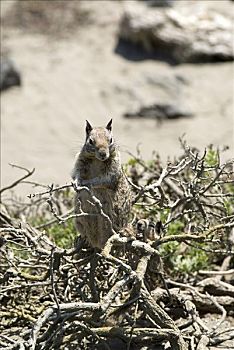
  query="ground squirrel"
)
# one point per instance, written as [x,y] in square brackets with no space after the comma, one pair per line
[98,167]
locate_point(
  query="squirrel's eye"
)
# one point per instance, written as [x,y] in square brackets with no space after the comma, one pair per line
[111,140]
[91,142]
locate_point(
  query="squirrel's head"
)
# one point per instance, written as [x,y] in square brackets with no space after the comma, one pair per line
[99,141]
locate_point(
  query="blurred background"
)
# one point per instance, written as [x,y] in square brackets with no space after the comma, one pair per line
[161,69]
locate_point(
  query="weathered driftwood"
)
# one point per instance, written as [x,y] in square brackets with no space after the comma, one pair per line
[45,319]
[184,36]
[216,287]
[202,301]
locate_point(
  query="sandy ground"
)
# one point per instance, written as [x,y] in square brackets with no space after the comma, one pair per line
[66,81]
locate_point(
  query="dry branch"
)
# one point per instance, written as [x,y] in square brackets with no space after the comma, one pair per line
[53,297]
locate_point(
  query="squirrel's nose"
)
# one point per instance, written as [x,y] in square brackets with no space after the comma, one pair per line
[102,155]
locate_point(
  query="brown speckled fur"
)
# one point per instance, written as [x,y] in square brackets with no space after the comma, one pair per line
[106,181]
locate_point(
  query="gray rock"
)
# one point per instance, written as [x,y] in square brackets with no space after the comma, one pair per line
[159,3]
[159,111]
[9,75]
[185,36]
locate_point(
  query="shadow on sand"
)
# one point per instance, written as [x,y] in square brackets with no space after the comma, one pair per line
[135,52]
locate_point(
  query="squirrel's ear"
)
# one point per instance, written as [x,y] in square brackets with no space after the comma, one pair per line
[109,125]
[88,127]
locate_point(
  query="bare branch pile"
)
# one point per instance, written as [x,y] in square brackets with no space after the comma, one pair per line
[167,285]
